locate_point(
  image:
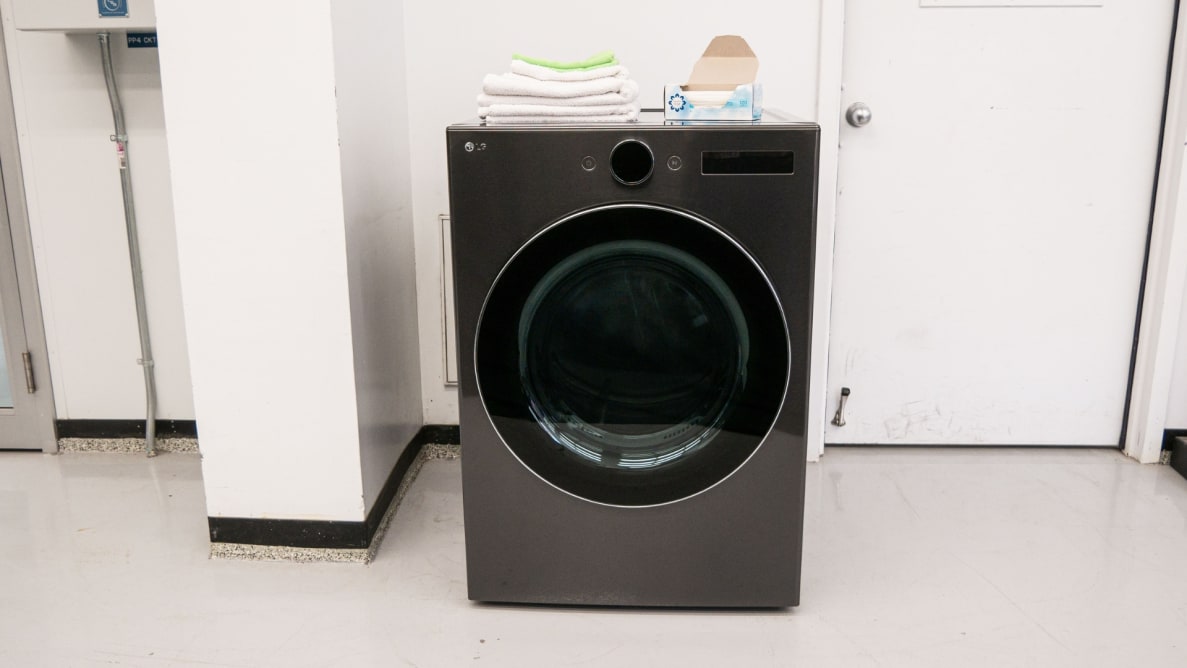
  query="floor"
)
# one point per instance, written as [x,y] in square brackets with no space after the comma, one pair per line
[913,557]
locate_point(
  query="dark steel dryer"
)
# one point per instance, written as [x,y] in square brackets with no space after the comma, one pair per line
[633,309]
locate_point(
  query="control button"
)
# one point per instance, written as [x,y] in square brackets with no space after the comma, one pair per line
[588,163]
[675,163]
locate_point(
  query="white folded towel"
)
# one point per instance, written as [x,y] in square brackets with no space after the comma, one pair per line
[557,120]
[516,84]
[628,93]
[556,110]
[537,119]
[548,74]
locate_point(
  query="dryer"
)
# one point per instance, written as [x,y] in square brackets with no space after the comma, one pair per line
[634,303]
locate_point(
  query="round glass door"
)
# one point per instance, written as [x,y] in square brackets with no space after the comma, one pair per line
[632,355]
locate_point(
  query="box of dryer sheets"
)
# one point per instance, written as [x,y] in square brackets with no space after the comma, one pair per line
[721,86]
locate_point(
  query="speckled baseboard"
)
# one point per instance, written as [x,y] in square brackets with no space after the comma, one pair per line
[442,451]
[337,555]
[125,445]
[303,555]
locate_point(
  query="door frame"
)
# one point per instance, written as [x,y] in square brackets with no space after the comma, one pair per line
[1166,272]
[40,406]
[829,86]
[1164,279]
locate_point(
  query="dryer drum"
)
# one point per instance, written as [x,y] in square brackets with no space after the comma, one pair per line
[632,355]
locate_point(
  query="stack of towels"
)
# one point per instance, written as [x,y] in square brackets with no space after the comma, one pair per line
[597,89]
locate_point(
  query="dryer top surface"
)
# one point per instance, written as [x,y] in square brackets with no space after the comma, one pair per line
[649,118]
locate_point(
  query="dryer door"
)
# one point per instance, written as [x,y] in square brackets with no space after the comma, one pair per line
[632,355]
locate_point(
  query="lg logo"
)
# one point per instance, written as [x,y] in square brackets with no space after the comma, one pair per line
[471,146]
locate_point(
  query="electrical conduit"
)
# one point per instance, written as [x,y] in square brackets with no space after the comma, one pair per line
[121,142]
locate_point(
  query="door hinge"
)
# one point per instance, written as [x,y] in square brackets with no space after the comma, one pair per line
[30,384]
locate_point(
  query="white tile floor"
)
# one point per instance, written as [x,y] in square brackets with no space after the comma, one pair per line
[913,558]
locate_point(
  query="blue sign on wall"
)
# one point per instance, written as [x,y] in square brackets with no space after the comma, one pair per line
[142,40]
[113,8]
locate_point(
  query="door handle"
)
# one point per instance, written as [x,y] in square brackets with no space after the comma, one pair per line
[858,114]
[30,384]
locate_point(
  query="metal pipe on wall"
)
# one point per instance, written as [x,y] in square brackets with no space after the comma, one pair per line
[121,142]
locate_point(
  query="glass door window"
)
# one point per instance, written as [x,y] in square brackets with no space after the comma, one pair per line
[5,384]
[632,355]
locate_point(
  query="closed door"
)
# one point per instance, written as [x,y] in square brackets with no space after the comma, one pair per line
[992,217]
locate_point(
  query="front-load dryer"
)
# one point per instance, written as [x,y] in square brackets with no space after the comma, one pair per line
[634,304]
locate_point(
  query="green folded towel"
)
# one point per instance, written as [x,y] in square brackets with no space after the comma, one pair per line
[603,59]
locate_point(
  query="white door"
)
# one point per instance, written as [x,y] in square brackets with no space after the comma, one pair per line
[992,218]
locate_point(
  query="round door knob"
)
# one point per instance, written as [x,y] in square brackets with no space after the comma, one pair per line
[858,114]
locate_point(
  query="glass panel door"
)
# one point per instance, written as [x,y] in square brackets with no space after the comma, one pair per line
[26,410]
[26,417]
[5,385]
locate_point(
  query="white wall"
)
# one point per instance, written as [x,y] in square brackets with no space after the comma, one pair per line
[74,190]
[257,191]
[81,15]
[452,45]
[369,68]
[77,222]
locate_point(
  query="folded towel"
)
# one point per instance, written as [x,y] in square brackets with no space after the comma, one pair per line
[515,84]
[550,110]
[593,62]
[572,120]
[548,74]
[628,93]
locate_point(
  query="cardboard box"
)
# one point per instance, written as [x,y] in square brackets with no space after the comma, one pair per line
[721,87]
